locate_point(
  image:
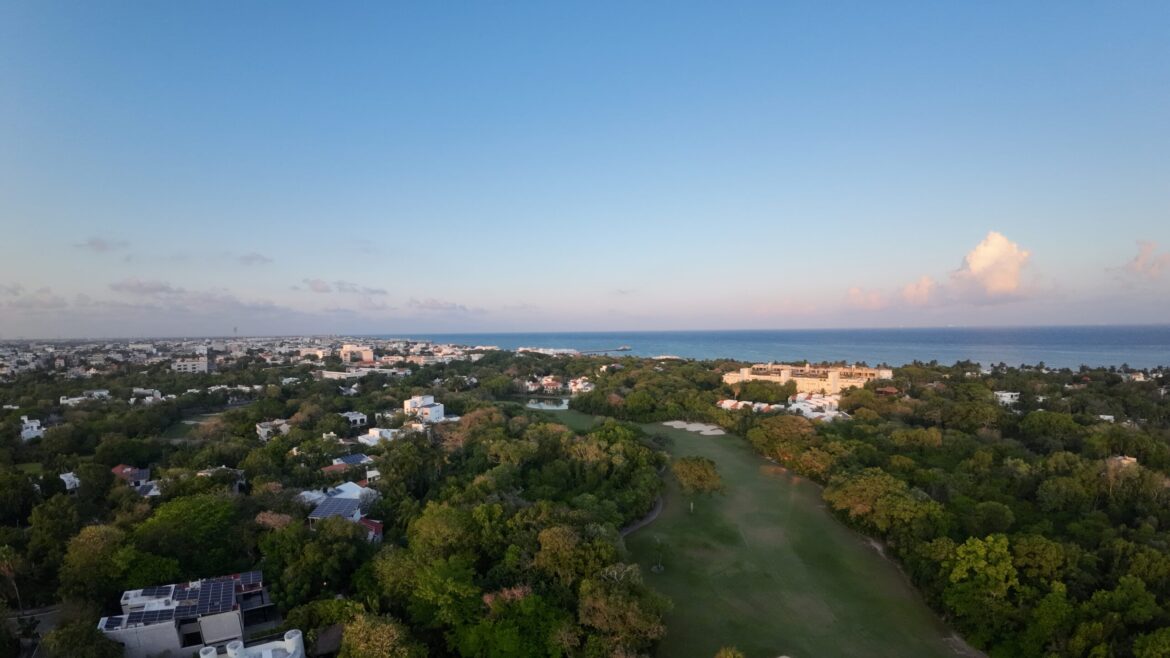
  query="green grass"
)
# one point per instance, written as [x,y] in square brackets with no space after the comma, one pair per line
[766,568]
[184,428]
[575,420]
[31,468]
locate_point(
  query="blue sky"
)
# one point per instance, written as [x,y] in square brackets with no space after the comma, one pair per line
[187,168]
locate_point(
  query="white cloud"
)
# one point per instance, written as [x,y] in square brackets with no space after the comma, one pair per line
[350,287]
[317,285]
[1148,263]
[432,305]
[136,286]
[991,270]
[253,258]
[102,245]
[870,300]
[920,292]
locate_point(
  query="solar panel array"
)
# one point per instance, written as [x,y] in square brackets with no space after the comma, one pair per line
[160,591]
[216,597]
[251,578]
[335,507]
[150,616]
[113,623]
[185,593]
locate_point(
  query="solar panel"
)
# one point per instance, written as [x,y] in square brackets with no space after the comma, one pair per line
[112,623]
[134,618]
[251,578]
[335,507]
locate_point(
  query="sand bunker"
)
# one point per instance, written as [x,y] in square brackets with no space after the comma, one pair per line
[700,428]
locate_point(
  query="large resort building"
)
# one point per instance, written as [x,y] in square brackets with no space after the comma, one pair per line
[829,380]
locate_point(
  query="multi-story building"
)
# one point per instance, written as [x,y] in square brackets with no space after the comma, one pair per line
[424,408]
[191,365]
[364,353]
[189,618]
[828,380]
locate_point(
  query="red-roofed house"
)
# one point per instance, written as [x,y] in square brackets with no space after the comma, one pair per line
[374,529]
[133,476]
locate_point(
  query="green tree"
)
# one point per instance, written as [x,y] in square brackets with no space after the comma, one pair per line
[696,475]
[626,617]
[367,636]
[199,531]
[10,565]
[1152,645]
[89,571]
[51,525]
[79,640]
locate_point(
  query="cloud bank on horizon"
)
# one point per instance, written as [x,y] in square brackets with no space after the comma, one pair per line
[995,273]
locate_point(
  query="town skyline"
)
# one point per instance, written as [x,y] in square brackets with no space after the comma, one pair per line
[187,171]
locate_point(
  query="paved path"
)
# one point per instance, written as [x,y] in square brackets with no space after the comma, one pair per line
[645,520]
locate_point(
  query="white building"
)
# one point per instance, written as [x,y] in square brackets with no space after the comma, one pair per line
[1007,398]
[291,646]
[376,435]
[30,428]
[364,353]
[424,408]
[271,428]
[192,365]
[72,482]
[580,385]
[186,618]
[355,418]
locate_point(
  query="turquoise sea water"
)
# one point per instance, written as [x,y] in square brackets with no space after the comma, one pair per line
[1139,347]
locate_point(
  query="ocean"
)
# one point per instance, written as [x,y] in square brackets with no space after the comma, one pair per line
[1136,346]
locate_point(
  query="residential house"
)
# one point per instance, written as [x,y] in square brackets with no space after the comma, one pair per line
[72,482]
[376,435]
[424,408]
[1007,398]
[191,618]
[580,385]
[271,428]
[30,429]
[355,418]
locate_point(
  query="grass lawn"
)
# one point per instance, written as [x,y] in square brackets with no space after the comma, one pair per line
[31,468]
[766,568]
[183,428]
[575,420]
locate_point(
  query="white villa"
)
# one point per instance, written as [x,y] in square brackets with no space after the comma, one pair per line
[424,408]
[30,429]
[355,418]
[376,435]
[271,428]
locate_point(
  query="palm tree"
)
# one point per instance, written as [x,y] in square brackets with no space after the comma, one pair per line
[9,563]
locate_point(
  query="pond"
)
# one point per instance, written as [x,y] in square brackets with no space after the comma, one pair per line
[549,405]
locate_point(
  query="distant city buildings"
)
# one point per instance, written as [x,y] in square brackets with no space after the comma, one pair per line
[828,380]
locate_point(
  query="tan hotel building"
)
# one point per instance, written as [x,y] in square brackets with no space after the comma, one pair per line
[829,380]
